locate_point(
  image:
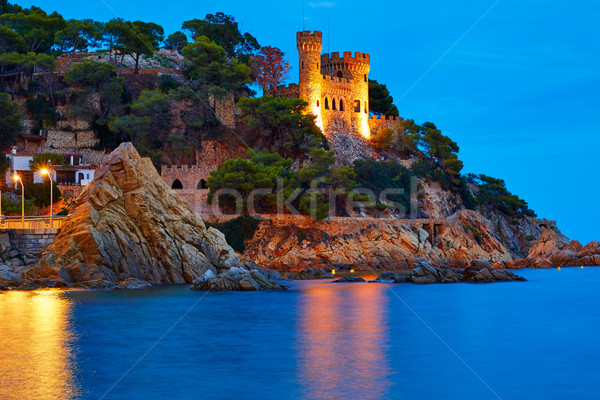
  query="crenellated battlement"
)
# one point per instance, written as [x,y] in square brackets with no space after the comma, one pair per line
[309,34]
[181,168]
[386,118]
[347,57]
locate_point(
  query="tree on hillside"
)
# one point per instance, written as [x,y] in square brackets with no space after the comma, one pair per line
[210,69]
[77,35]
[260,171]
[14,66]
[36,27]
[280,124]
[90,74]
[223,30]
[11,41]
[176,41]
[10,120]
[380,100]
[493,192]
[141,38]
[269,68]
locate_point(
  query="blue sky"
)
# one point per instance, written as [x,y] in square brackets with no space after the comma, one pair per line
[520,93]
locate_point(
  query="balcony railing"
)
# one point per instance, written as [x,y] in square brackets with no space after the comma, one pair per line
[31,222]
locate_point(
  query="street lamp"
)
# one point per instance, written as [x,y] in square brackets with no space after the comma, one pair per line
[17,178]
[46,171]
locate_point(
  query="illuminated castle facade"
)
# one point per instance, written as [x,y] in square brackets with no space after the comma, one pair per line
[336,88]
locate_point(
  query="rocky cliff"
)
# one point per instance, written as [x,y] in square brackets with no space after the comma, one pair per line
[291,243]
[129,224]
[553,249]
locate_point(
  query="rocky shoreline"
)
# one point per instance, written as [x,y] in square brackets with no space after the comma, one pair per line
[128,229]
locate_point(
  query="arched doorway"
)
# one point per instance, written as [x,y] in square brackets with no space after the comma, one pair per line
[177,185]
[202,184]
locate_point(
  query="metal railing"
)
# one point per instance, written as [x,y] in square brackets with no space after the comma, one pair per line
[31,222]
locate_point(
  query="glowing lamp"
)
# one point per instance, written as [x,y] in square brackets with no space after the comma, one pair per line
[17,178]
[333,271]
[44,171]
[351,271]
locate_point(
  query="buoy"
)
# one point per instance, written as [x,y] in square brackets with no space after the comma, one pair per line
[352,271]
[333,272]
[582,267]
[559,268]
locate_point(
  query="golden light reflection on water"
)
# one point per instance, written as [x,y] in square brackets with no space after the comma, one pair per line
[342,336]
[35,346]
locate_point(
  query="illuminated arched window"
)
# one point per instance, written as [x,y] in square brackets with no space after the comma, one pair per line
[356,105]
[333,104]
[326,103]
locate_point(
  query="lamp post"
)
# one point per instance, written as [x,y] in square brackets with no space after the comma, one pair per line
[18,179]
[46,171]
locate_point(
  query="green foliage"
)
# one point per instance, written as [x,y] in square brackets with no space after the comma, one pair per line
[383,139]
[223,29]
[10,119]
[11,41]
[380,100]
[176,41]
[77,35]
[37,28]
[492,192]
[40,193]
[43,113]
[14,207]
[280,124]
[168,83]
[308,190]
[209,67]
[379,176]
[260,171]
[4,167]
[89,74]
[46,160]
[237,231]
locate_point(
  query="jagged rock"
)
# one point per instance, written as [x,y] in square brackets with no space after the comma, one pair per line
[388,243]
[350,278]
[479,271]
[237,279]
[314,273]
[552,249]
[388,277]
[133,283]
[7,273]
[128,223]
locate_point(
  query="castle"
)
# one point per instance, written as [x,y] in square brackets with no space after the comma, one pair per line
[335,88]
[337,92]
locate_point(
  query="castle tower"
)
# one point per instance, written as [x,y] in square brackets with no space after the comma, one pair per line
[353,69]
[310,79]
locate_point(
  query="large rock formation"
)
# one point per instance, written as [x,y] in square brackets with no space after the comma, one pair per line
[424,273]
[129,224]
[293,243]
[553,249]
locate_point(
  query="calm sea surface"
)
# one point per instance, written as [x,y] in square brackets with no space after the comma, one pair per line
[517,340]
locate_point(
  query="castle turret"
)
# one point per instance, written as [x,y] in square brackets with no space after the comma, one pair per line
[310,79]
